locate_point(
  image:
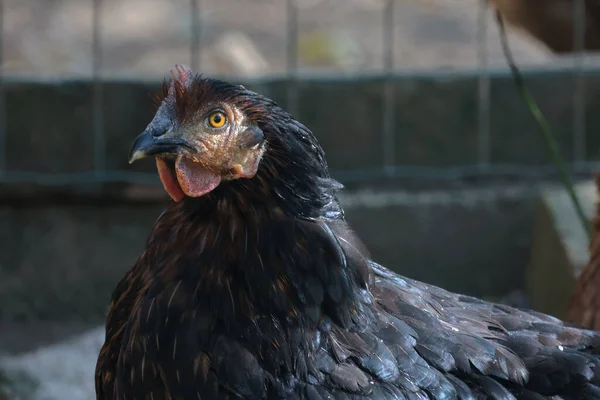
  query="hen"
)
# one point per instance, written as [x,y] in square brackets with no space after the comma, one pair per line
[553,21]
[252,286]
[584,308]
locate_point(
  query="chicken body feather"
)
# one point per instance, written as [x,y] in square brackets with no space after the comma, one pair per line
[260,290]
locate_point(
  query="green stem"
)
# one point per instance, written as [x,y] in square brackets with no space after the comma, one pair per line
[544,126]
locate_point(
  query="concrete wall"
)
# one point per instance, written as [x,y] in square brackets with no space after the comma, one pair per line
[560,247]
[61,261]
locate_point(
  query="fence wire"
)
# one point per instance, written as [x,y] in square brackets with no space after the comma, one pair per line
[292,56]
[579,104]
[390,165]
[3,171]
[99,142]
[483,86]
[389,130]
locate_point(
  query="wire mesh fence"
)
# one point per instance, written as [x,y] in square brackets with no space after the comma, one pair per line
[383,22]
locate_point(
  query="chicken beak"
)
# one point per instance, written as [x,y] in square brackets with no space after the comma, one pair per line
[141,148]
[148,145]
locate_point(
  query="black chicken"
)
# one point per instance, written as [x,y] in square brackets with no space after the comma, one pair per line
[252,286]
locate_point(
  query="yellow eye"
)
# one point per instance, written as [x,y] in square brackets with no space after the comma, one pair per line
[217,119]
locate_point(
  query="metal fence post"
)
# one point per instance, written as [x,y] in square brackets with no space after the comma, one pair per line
[195,32]
[3,139]
[292,57]
[388,90]
[98,95]
[579,123]
[483,89]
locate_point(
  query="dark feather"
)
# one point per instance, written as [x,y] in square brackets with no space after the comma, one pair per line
[260,290]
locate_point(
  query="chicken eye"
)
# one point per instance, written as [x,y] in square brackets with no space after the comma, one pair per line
[217,119]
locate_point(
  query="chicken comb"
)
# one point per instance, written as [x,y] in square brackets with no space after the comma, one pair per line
[182,79]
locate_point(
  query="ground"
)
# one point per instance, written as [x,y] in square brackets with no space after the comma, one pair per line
[39,372]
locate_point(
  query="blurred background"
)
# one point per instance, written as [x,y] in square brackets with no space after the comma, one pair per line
[448,178]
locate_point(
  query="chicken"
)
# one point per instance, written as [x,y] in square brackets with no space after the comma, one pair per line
[553,21]
[252,285]
[584,307]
